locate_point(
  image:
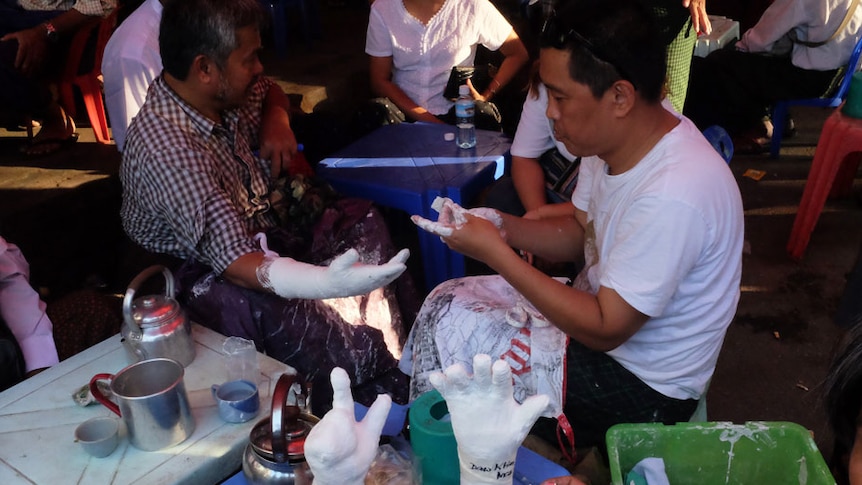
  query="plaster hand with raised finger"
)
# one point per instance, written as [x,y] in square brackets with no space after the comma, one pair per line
[488,423]
[338,449]
[345,276]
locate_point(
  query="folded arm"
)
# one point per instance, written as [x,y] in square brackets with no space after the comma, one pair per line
[277,141]
[516,56]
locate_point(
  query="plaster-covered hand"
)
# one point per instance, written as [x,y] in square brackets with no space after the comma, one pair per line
[452,216]
[345,276]
[339,450]
[488,423]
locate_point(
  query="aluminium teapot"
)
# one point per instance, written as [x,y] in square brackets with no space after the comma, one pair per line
[155,325]
[275,454]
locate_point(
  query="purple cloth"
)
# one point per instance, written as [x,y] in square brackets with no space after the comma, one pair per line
[310,335]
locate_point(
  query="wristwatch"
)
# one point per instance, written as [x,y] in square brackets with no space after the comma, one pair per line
[51,32]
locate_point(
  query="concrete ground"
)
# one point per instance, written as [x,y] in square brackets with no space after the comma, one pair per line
[63,212]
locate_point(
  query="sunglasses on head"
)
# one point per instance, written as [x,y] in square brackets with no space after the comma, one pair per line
[557,36]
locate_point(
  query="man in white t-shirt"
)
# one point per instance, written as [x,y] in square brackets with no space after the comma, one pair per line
[657,219]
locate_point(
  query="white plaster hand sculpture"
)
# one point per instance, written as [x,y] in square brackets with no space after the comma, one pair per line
[345,276]
[488,423]
[452,217]
[339,450]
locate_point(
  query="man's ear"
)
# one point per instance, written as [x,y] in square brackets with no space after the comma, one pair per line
[204,69]
[624,95]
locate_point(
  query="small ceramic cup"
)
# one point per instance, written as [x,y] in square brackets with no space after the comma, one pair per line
[98,436]
[237,401]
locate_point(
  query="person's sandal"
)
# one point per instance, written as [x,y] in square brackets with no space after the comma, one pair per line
[48,146]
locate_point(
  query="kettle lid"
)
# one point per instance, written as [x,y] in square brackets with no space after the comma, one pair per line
[261,440]
[154,310]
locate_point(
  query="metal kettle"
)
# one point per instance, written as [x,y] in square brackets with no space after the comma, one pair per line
[155,325]
[275,454]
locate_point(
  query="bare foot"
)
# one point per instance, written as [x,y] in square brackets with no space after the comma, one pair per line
[57,131]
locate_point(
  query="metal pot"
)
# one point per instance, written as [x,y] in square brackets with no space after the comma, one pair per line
[156,326]
[275,454]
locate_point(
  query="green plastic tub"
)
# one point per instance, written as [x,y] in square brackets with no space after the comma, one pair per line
[757,452]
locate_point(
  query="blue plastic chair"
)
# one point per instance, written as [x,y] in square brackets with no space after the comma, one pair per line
[720,140]
[779,111]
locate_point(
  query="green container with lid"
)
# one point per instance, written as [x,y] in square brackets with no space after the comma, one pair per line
[757,452]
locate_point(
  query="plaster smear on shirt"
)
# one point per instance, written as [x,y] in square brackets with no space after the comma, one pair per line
[202,286]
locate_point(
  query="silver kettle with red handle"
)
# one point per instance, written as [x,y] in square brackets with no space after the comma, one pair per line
[155,325]
[275,454]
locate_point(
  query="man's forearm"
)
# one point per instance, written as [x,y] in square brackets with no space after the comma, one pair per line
[67,23]
[558,239]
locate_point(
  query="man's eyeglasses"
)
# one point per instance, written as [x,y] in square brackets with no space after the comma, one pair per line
[556,36]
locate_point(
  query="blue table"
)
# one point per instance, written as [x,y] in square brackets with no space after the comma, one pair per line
[531,468]
[406,166]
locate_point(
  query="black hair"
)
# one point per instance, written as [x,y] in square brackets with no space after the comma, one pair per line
[608,42]
[190,28]
[843,396]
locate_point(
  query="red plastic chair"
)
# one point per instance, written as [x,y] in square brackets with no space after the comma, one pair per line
[836,160]
[90,82]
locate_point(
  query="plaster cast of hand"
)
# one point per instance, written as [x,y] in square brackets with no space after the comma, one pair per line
[344,276]
[488,423]
[452,216]
[339,450]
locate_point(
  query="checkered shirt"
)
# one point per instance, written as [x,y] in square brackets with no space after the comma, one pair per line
[94,8]
[193,188]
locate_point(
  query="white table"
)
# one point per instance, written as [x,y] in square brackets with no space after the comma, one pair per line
[38,418]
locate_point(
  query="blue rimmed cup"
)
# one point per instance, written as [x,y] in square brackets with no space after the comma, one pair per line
[237,401]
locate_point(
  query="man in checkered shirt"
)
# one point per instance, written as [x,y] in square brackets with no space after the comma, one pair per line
[200,163]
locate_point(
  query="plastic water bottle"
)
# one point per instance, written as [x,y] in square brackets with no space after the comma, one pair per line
[464,109]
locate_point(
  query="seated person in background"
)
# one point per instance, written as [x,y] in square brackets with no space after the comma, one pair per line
[544,173]
[22,313]
[413,46]
[736,87]
[843,401]
[658,219]
[34,37]
[130,63]
[194,188]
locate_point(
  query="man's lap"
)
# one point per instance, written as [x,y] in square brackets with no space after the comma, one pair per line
[474,315]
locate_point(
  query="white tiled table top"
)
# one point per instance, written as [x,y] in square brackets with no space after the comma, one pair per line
[38,418]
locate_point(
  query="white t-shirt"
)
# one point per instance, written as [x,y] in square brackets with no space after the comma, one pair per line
[535,133]
[813,21]
[423,55]
[667,236]
[130,64]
